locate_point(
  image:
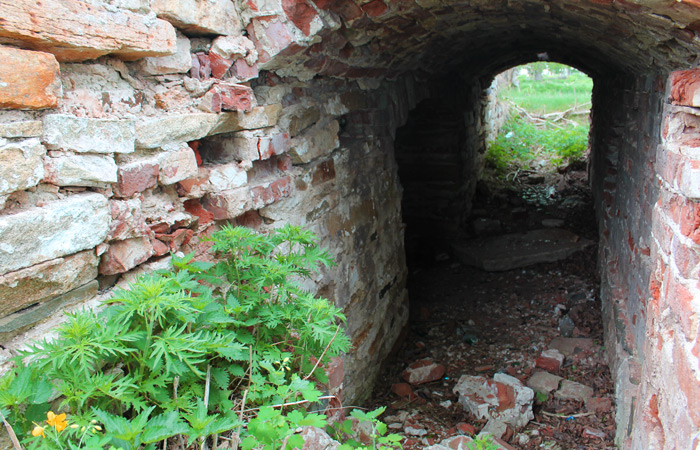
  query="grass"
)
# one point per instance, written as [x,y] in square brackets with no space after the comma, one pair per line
[552,94]
[534,130]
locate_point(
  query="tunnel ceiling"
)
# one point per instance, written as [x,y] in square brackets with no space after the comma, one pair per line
[376,39]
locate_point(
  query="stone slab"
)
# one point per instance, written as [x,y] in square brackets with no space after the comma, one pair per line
[177,163]
[180,62]
[544,382]
[259,117]
[22,129]
[34,284]
[19,322]
[571,390]
[21,165]
[83,135]
[80,170]
[77,31]
[28,79]
[155,132]
[571,346]
[200,16]
[517,250]
[318,140]
[59,228]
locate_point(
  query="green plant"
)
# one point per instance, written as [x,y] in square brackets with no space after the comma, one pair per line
[184,352]
[483,442]
[519,142]
[368,426]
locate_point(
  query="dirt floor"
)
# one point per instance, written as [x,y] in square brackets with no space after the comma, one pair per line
[473,322]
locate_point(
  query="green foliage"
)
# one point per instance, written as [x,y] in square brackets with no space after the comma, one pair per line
[183,352]
[519,142]
[483,442]
[556,89]
[369,425]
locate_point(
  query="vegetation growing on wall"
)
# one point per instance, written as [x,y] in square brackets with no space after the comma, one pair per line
[235,349]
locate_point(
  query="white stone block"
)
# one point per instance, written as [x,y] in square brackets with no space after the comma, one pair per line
[83,135]
[180,62]
[21,165]
[177,163]
[200,16]
[80,170]
[227,176]
[60,228]
[155,132]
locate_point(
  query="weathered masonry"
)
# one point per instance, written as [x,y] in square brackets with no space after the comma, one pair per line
[132,128]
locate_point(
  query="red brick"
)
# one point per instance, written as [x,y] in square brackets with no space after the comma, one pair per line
[548,364]
[176,239]
[300,13]
[159,248]
[249,219]
[684,85]
[423,371]
[375,8]
[230,97]
[28,80]
[679,298]
[194,145]
[466,428]
[403,390]
[136,177]
[323,172]
[125,255]
[688,382]
[506,396]
[194,207]
[219,66]
[347,9]
[277,36]
[201,68]
[243,71]
[128,221]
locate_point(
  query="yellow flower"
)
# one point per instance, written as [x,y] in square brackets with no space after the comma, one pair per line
[59,422]
[38,431]
[98,428]
[74,426]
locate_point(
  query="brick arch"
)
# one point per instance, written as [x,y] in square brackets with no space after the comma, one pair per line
[129,129]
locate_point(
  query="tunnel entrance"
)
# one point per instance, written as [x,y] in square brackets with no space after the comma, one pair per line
[481,307]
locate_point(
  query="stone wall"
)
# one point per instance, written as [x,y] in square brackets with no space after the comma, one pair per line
[437,151]
[108,165]
[627,120]
[132,128]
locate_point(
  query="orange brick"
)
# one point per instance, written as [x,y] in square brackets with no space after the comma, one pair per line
[76,31]
[28,80]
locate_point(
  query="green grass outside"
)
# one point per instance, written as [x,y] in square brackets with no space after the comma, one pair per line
[552,94]
[521,140]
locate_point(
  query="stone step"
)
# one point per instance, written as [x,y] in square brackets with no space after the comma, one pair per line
[512,251]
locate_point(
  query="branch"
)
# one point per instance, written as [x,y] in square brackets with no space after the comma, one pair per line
[11,432]
[322,354]
[300,402]
[566,416]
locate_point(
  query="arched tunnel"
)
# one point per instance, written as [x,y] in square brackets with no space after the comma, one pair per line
[291,108]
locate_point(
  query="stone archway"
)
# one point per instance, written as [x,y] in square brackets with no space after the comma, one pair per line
[289,116]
